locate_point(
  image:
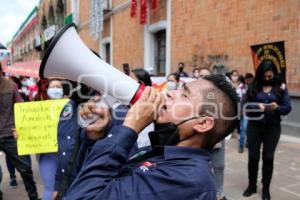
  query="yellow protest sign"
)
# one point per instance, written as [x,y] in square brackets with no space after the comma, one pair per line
[36,124]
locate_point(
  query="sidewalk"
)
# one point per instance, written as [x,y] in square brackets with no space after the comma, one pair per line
[286,177]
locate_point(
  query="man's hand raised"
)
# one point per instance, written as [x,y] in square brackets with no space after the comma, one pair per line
[145,110]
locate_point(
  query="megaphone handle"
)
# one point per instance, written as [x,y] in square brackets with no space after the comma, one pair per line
[85,122]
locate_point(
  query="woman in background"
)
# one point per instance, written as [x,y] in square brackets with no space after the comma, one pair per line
[173,82]
[48,161]
[142,76]
[270,99]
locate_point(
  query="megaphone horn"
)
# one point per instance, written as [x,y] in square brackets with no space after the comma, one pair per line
[69,58]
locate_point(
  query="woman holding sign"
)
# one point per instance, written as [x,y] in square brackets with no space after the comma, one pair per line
[267,100]
[48,161]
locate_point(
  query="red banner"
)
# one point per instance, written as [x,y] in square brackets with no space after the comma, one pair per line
[154,4]
[143,11]
[133,8]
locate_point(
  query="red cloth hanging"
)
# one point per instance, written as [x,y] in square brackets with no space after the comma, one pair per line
[154,4]
[133,8]
[143,11]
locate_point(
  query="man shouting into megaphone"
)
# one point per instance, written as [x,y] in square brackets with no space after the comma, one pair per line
[188,123]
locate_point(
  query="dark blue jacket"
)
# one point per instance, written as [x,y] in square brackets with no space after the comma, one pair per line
[67,130]
[178,173]
[269,117]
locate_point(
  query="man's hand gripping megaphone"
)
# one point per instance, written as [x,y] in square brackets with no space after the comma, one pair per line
[140,115]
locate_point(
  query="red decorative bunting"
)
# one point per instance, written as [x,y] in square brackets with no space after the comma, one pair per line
[154,4]
[133,8]
[143,11]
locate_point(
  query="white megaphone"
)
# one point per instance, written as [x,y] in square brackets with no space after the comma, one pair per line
[69,58]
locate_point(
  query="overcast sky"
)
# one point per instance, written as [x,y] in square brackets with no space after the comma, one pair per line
[12,15]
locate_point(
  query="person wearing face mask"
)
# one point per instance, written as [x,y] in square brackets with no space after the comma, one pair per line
[267,100]
[48,161]
[234,78]
[178,166]
[24,92]
[55,89]
[196,73]
[237,83]
[181,72]
[239,87]
[173,82]
[32,88]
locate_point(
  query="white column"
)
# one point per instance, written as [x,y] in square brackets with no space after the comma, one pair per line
[168,32]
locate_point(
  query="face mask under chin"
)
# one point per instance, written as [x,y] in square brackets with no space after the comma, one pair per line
[164,134]
[167,134]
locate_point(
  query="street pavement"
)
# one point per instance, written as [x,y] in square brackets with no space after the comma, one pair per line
[286,177]
[285,184]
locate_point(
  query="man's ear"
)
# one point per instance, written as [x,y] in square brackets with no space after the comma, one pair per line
[204,125]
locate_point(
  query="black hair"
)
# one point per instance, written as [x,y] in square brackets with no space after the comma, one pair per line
[176,76]
[257,84]
[221,83]
[142,76]
[204,68]
[219,69]
[181,63]
[54,79]
[241,79]
[249,75]
[17,81]
[196,68]
[234,71]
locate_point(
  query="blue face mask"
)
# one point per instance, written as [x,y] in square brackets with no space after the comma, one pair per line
[171,86]
[55,93]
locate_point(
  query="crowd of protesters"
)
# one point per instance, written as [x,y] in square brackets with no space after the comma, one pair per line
[89,164]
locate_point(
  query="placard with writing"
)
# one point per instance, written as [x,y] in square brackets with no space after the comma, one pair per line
[36,124]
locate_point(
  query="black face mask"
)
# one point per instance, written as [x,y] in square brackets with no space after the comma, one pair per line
[166,134]
[180,69]
[269,82]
